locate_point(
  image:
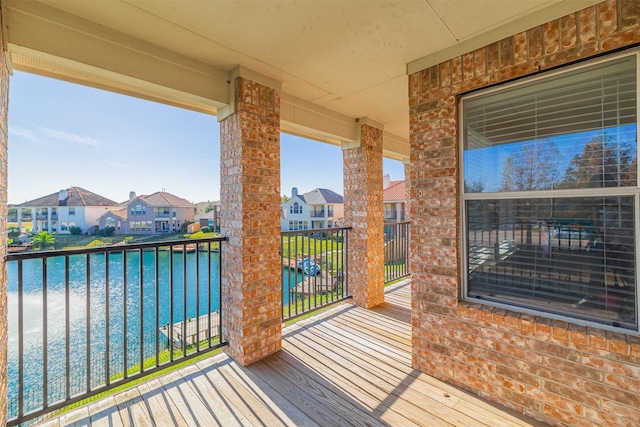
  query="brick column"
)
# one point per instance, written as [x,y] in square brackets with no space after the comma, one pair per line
[250,217]
[4,102]
[363,208]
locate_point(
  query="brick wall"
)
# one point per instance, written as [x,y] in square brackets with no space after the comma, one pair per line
[250,217]
[560,373]
[4,101]
[363,208]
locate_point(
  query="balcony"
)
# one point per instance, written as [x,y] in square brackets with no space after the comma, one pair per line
[345,366]
[317,214]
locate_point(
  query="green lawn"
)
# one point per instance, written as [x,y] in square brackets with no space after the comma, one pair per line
[299,245]
[68,241]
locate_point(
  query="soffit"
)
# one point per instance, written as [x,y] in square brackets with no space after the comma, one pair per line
[347,58]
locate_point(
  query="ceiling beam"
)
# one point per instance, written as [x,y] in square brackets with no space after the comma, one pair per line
[40,33]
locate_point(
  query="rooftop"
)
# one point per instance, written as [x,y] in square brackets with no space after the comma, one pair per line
[321,196]
[395,192]
[75,196]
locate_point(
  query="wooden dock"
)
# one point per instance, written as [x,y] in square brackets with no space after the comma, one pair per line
[312,285]
[192,329]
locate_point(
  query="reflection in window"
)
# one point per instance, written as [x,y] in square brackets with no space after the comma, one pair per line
[568,248]
[571,256]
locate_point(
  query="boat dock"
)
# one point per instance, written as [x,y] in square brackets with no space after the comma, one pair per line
[192,329]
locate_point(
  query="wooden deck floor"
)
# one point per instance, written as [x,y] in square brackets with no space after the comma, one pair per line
[347,366]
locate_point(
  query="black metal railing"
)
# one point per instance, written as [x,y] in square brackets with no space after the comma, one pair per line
[314,269]
[87,320]
[396,250]
[317,214]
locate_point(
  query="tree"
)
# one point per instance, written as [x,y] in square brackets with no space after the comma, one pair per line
[42,240]
[284,198]
[604,162]
[473,187]
[13,233]
[210,206]
[534,167]
[76,231]
[12,214]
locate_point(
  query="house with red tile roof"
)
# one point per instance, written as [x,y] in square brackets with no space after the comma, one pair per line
[157,213]
[58,212]
[395,199]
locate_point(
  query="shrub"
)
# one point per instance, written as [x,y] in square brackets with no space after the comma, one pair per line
[76,231]
[106,232]
[128,239]
[205,229]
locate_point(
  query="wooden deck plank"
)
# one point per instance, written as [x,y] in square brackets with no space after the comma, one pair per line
[78,418]
[132,408]
[375,375]
[159,406]
[252,410]
[298,396]
[223,412]
[366,343]
[185,400]
[288,413]
[426,385]
[380,373]
[399,338]
[399,412]
[104,412]
[311,388]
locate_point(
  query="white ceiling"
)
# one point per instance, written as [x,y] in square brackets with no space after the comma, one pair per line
[334,60]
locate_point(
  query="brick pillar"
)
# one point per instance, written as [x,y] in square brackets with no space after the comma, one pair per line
[250,217]
[4,102]
[363,208]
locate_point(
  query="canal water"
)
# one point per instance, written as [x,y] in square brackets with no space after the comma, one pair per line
[107,304]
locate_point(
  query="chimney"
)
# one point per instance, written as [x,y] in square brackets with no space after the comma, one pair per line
[294,192]
[386,181]
[62,195]
[132,195]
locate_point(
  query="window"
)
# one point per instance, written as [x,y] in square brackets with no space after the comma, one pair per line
[72,211]
[295,208]
[550,191]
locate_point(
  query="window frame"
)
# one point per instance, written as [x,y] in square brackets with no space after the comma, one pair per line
[630,191]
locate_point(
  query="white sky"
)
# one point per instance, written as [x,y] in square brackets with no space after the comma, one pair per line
[63,135]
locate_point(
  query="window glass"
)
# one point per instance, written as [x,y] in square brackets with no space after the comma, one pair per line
[569,248]
[574,130]
[570,256]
